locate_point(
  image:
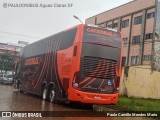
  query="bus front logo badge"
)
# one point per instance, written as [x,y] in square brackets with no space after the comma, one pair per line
[109,82]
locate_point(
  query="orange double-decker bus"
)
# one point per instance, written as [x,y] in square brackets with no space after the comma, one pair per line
[80,64]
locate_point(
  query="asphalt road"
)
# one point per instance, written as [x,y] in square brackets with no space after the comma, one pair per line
[12,100]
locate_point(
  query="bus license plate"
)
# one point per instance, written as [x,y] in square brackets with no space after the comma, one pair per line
[97,97]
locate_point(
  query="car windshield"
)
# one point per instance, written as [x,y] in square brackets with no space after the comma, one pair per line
[8,76]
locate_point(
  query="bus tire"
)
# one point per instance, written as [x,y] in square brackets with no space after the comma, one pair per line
[52,94]
[44,93]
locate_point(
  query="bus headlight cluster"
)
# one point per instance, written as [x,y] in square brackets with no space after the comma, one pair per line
[76,80]
[75,85]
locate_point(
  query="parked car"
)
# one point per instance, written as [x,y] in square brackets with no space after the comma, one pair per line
[6,79]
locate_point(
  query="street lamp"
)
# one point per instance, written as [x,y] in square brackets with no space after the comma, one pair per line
[77,18]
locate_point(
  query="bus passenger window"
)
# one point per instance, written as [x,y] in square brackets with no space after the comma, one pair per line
[75,51]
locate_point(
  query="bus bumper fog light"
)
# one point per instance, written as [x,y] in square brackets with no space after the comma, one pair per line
[75,85]
[85,97]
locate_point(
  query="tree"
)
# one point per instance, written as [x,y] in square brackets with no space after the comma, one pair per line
[6,62]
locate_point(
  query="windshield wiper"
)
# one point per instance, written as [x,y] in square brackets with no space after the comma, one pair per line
[89,87]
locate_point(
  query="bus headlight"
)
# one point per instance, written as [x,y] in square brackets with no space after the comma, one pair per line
[75,85]
[76,80]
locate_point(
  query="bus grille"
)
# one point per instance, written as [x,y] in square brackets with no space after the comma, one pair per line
[98,67]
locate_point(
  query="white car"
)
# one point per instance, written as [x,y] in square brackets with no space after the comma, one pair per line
[6,79]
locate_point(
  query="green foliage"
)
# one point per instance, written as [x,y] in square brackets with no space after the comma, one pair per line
[137,104]
[6,62]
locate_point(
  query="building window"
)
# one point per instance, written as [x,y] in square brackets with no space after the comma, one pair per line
[134,60]
[110,26]
[123,60]
[125,41]
[102,25]
[136,39]
[114,25]
[149,36]
[150,15]
[138,20]
[146,57]
[125,23]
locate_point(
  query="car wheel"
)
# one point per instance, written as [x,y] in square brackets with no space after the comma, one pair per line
[52,94]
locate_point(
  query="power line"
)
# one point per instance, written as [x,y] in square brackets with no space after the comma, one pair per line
[22,35]
[138,43]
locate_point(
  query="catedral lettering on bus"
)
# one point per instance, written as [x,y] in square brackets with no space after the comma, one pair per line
[100,31]
[75,65]
[32,61]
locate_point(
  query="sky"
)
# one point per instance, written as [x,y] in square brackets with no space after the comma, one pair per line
[43,18]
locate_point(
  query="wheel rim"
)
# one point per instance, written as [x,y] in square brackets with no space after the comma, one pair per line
[52,95]
[44,94]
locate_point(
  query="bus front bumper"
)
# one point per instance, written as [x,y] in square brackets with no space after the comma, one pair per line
[94,98]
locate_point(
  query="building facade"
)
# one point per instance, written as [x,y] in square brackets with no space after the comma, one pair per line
[139,24]
[10,48]
[136,20]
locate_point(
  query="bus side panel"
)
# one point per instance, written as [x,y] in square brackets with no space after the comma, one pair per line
[38,65]
[64,62]
[41,63]
[68,61]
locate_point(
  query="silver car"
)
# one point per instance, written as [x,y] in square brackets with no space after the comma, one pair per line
[6,79]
